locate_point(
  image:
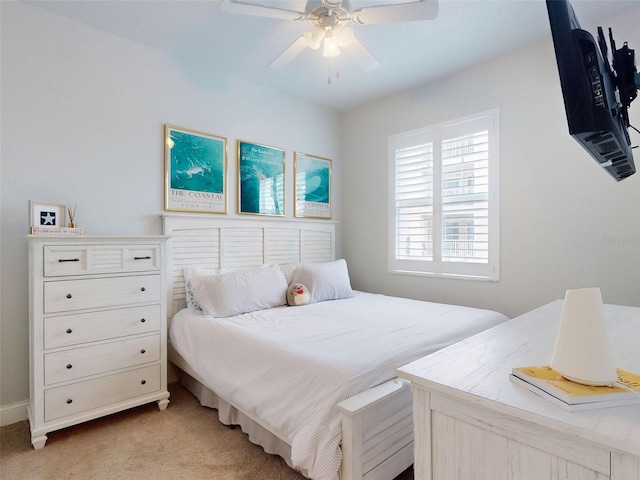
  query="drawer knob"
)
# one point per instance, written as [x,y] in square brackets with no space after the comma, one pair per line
[142,320]
[142,258]
[69,330]
[143,382]
[69,366]
[142,351]
[68,295]
[69,400]
[142,289]
[61,260]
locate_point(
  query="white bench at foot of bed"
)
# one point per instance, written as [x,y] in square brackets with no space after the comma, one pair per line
[377,432]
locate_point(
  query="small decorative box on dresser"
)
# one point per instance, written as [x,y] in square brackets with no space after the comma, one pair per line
[472,423]
[97,328]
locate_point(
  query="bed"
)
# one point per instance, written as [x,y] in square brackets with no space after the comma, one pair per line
[313,383]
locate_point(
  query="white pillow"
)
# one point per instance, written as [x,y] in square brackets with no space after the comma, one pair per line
[192,279]
[242,291]
[325,280]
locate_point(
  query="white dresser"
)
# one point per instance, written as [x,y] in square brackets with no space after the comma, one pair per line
[472,423]
[97,328]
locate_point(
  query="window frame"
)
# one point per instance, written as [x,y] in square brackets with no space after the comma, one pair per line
[489,271]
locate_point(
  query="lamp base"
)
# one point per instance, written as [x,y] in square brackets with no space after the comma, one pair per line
[589,382]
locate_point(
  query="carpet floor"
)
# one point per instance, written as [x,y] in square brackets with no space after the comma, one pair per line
[184,442]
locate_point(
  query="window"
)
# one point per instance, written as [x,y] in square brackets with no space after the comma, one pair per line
[444,202]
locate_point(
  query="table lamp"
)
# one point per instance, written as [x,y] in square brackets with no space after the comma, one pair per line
[582,351]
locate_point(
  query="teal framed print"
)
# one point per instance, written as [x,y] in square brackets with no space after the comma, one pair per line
[260,179]
[312,186]
[195,171]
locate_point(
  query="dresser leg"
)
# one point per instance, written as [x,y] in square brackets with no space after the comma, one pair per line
[38,442]
[162,404]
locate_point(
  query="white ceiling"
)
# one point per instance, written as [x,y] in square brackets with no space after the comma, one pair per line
[208,41]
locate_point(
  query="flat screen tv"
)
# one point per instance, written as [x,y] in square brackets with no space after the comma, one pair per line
[596,93]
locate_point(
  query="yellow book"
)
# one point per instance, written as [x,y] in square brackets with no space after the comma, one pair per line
[572,393]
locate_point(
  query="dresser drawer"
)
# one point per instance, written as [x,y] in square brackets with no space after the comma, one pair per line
[84,361]
[78,328]
[63,260]
[60,260]
[69,295]
[83,396]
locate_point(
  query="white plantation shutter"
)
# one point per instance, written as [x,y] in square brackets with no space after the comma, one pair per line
[414,201]
[444,203]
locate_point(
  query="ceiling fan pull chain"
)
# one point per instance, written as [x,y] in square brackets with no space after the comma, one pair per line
[329,70]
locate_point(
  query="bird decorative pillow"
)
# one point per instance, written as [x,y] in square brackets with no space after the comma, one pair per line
[297,294]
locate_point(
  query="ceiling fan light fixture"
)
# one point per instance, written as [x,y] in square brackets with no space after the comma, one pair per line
[314,37]
[331,48]
[328,19]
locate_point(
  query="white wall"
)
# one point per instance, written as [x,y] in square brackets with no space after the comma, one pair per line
[83,113]
[565,223]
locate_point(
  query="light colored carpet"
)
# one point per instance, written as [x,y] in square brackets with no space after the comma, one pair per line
[184,442]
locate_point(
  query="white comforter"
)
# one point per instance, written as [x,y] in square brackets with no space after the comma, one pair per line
[290,366]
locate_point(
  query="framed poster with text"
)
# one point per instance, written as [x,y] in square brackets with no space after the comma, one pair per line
[312,186]
[260,179]
[195,171]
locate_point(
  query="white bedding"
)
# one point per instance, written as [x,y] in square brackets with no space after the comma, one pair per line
[290,366]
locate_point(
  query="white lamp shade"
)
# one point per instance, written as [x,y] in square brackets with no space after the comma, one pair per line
[345,36]
[331,48]
[582,352]
[314,37]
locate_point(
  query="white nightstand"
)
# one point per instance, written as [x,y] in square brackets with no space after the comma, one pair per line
[97,328]
[471,422]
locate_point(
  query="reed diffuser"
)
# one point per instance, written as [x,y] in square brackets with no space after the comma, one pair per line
[72,216]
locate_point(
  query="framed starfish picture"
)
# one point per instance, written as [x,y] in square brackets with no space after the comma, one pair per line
[46,214]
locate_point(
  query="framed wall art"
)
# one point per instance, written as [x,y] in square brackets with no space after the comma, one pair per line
[46,215]
[195,171]
[260,179]
[312,186]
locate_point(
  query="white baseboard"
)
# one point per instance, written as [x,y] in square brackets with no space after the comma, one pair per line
[13,413]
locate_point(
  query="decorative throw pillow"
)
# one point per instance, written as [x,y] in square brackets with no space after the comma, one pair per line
[242,291]
[297,294]
[325,280]
[192,279]
[288,269]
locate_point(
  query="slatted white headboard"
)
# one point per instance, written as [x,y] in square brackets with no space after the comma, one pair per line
[235,242]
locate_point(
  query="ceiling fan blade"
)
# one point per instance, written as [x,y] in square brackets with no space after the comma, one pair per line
[397,12]
[363,57]
[292,51]
[260,10]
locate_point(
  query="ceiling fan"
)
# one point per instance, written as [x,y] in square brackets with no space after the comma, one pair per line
[329,20]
